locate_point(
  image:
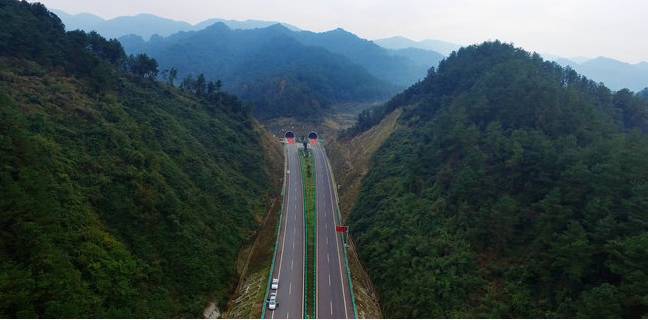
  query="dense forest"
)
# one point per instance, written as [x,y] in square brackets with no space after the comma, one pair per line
[120,196]
[513,188]
[267,67]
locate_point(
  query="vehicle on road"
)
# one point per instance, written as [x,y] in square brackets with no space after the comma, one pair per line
[275,284]
[272,302]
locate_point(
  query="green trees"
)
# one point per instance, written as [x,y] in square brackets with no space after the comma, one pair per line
[143,66]
[118,197]
[529,177]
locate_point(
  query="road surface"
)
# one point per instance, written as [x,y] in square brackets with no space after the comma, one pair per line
[333,296]
[289,260]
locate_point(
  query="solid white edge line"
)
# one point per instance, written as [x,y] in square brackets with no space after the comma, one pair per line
[330,184]
[286,199]
[301,181]
[316,245]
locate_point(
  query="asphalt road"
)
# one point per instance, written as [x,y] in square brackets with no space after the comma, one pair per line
[289,262]
[333,296]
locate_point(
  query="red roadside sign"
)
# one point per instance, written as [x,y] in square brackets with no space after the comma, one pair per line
[342,229]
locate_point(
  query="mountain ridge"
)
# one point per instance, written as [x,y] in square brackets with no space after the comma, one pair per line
[266,66]
[508,190]
[616,74]
[146,25]
[400,42]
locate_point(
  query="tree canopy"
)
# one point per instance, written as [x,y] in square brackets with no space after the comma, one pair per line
[120,196]
[513,188]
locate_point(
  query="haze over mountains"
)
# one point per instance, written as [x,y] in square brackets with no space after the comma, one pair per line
[266,66]
[146,25]
[274,67]
[614,73]
[399,42]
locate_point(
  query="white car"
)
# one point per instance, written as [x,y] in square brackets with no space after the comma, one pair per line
[272,302]
[275,284]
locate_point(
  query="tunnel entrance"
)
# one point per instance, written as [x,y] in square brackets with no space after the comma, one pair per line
[312,137]
[290,137]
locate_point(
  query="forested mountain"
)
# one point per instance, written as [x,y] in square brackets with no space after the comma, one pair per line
[243,24]
[424,58]
[81,21]
[146,25]
[120,196]
[400,67]
[615,74]
[267,66]
[513,188]
[399,42]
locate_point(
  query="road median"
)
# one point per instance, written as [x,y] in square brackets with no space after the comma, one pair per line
[310,218]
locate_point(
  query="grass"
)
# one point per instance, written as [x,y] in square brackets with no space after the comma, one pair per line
[310,213]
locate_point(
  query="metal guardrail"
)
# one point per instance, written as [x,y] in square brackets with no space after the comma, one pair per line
[314,233]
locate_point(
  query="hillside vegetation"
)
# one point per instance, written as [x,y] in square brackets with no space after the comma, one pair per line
[267,67]
[119,196]
[511,188]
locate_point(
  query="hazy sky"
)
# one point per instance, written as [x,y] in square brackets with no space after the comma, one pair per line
[613,28]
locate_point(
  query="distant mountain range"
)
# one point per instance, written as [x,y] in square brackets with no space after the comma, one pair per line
[288,72]
[614,73]
[403,63]
[399,67]
[399,42]
[268,66]
[146,25]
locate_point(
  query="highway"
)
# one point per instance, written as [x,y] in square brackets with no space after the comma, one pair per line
[289,260]
[333,296]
